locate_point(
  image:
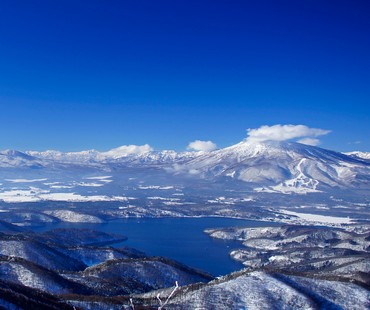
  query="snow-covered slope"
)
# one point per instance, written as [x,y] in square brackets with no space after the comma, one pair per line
[140,275]
[282,166]
[20,271]
[15,296]
[260,290]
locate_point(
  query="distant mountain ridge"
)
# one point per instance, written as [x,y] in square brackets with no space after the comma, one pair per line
[112,156]
[281,167]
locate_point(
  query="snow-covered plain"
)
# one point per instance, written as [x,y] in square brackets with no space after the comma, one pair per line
[316,218]
[37,194]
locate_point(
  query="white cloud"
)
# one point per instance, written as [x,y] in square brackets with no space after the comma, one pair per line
[309,141]
[284,132]
[126,150]
[204,146]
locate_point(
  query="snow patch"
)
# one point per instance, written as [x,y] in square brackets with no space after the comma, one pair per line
[319,218]
[25,180]
[103,177]
[156,187]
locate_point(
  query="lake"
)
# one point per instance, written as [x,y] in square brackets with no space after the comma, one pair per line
[181,239]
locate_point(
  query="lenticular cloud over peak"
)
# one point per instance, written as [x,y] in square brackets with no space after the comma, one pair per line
[284,133]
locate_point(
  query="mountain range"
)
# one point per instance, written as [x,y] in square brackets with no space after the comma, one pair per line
[276,167]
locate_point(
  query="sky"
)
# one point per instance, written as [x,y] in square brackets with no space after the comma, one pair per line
[78,75]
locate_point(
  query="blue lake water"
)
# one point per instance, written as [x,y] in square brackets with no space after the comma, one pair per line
[181,239]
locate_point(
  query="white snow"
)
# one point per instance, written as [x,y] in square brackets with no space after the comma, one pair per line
[286,188]
[25,180]
[364,155]
[30,195]
[280,258]
[172,203]
[90,184]
[103,177]
[121,198]
[301,184]
[155,187]
[37,194]
[73,217]
[165,199]
[261,291]
[319,218]
[61,186]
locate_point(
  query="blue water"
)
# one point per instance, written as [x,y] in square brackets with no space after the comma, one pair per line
[181,239]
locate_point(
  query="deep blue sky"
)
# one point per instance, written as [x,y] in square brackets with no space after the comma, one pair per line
[98,74]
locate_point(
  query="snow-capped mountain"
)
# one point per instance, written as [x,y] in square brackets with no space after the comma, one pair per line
[357,154]
[117,155]
[68,157]
[270,167]
[12,158]
[283,166]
